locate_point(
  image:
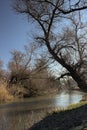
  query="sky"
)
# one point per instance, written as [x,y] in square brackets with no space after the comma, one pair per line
[14,31]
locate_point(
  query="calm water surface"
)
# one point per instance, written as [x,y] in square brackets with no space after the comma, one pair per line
[22,114]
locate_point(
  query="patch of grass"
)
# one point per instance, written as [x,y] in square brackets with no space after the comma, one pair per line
[70,107]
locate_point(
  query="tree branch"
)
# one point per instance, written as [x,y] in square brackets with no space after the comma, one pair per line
[66,74]
[72,10]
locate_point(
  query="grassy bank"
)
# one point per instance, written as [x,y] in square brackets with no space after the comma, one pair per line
[74,118]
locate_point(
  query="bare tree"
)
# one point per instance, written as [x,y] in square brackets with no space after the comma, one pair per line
[48,13]
[72,48]
[20,65]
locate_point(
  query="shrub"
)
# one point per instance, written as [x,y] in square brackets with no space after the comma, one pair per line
[4,93]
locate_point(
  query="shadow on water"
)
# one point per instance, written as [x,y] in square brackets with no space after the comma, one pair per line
[23,114]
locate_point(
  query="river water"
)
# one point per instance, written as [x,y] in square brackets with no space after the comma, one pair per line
[22,114]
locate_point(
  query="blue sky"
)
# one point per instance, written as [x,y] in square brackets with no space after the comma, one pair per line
[14,30]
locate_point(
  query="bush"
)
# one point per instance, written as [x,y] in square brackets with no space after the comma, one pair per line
[4,93]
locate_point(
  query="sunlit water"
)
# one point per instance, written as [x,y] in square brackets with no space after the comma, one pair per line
[22,114]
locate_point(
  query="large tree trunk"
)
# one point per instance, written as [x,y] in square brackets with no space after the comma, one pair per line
[46,17]
[82,84]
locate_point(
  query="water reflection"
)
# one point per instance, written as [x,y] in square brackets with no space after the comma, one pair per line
[21,115]
[65,99]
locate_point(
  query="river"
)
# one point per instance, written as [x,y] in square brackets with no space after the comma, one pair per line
[22,114]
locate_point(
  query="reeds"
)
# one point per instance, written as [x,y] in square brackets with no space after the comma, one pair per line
[4,93]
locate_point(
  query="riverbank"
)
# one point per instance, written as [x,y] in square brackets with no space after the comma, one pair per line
[16,117]
[71,119]
[17,92]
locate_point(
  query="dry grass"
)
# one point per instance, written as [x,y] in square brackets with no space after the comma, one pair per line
[72,106]
[4,93]
[57,110]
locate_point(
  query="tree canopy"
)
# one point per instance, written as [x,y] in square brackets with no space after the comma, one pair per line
[66,45]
